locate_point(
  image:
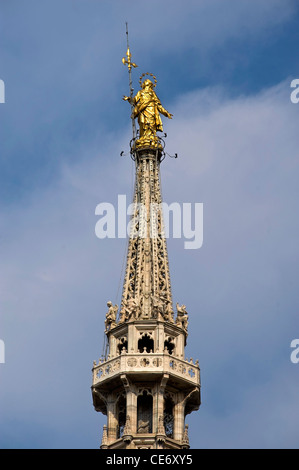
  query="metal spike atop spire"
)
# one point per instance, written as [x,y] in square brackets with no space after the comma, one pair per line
[130,65]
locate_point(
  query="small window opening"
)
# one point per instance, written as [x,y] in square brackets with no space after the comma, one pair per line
[145,344]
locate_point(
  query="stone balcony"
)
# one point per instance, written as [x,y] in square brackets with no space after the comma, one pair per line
[135,365]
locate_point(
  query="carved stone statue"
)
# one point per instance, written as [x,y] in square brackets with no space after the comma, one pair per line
[162,308]
[158,307]
[130,310]
[127,428]
[182,316]
[143,426]
[147,108]
[110,321]
[186,437]
[161,428]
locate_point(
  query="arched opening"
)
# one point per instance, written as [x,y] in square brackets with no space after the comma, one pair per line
[145,344]
[122,345]
[169,345]
[144,413]
[168,417]
[122,413]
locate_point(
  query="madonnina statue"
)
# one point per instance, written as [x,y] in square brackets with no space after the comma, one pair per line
[147,109]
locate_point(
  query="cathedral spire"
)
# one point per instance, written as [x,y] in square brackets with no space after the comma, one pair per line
[147,288]
[145,385]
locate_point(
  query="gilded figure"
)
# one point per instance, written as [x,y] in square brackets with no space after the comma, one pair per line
[147,109]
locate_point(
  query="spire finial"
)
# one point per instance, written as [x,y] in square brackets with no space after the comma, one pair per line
[128,53]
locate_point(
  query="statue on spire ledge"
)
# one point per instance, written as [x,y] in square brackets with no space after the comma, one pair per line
[110,320]
[182,316]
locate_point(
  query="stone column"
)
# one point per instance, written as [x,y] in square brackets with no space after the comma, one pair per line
[132,339]
[131,403]
[158,402]
[180,346]
[112,419]
[179,418]
[112,346]
[160,337]
[132,409]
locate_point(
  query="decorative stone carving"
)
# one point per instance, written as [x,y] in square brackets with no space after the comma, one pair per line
[182,369]
[182,317]
[157,307]
[147,274]
[130,310]
[161,435]
[127,435]
[104,443]
[157,362]
[161,308]
[144,362]
[132,362]
[116,365]
[143,426]
[185,440]
[110,321]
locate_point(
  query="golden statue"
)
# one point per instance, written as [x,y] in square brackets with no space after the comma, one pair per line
[147,109]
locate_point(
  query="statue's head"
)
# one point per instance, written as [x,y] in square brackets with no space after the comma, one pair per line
[147,83]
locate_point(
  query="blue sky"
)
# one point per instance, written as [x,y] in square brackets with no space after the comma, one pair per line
[224,70]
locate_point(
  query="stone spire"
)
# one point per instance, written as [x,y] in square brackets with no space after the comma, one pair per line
[147,289]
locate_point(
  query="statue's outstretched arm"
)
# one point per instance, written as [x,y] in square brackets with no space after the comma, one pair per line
[164,111]
[127,98]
